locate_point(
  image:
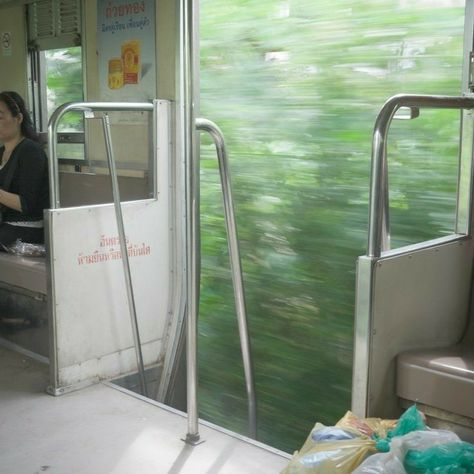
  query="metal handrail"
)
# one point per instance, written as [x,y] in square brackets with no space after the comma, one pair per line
[55,202]
[378,214]
[53,167]
[124,251]
[236,268]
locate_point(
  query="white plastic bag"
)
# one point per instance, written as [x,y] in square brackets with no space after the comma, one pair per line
[25,249]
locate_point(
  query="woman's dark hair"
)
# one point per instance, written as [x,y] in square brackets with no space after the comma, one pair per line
[16,105]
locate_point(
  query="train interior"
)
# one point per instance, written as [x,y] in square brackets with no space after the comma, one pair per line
[93,378]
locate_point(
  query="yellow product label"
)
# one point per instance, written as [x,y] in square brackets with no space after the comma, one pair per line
[131,62]
[115,76]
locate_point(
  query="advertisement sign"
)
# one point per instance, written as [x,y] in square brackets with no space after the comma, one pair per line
[126,50]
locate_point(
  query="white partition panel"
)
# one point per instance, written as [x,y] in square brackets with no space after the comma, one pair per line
[407,299]
[91,331]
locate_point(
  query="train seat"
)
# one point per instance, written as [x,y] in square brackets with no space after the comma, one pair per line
[441,378]
[441,382]
[24,273]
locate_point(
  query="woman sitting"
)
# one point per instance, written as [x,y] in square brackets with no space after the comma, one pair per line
[24,190]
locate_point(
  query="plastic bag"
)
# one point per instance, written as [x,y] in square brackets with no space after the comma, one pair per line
[381,463]
[371,427]
[323,433]
[452,458]
[25,249]
[322,455]
[340,457]
[411,420]
[393,461]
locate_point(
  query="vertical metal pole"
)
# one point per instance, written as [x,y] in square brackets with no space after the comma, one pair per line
[386,203]
[378,206]
[123,248]
[192,213]
[53,172]
[236,268]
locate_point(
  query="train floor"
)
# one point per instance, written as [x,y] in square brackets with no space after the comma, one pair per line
[106,429]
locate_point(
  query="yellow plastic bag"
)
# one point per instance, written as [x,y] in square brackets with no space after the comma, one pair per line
[338,456]
[366,426]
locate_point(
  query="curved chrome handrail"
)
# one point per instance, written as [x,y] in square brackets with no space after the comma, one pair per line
[236,268]
[378,218]
[53,131]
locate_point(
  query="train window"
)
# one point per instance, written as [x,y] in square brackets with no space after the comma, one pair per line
[63,74]
[56,66]
[295,87]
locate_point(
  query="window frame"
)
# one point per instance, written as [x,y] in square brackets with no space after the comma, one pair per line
[55,38]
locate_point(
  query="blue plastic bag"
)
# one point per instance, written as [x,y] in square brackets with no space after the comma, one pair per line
[330,433]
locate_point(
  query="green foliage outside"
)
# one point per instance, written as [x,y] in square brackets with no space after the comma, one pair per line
[64,83]
[296,86]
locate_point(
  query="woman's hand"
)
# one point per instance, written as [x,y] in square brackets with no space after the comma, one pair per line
[10,200]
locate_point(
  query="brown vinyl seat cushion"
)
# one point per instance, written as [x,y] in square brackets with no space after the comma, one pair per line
[441,378]
[23,272]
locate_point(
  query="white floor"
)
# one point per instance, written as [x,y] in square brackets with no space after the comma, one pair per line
[102,430]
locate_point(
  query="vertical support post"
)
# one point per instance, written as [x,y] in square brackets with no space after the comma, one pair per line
[53,173]
[192,212]
[123,248]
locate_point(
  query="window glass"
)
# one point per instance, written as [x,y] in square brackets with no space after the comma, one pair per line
[296,85]
[63,70]
[423,157]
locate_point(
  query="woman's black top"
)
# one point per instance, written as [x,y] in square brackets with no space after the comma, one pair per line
[29,181]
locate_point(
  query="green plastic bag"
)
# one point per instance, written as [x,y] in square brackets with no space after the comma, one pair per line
[452,458]
[411,420]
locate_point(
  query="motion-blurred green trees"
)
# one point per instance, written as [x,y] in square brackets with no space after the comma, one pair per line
[64,83]
[296,86]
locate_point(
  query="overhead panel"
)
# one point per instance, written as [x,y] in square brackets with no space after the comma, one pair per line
[54,24]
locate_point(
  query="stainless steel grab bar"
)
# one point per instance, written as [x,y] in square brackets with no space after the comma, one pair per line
[53,131]
[236,268]
[378,207]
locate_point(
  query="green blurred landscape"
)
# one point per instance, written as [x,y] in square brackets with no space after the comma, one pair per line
[296,85]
